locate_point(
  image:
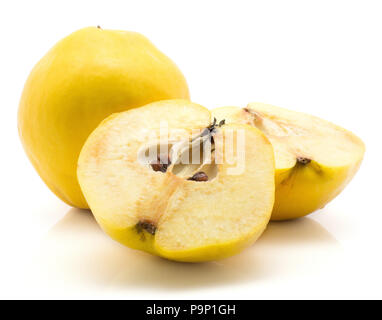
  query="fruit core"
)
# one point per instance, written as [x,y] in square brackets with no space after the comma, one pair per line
[192,159]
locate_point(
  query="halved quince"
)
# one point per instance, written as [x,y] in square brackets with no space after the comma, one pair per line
[146,194]
[315,159]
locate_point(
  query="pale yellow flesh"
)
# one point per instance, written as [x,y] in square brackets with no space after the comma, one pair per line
[84,78]
[334,156]
[194,221]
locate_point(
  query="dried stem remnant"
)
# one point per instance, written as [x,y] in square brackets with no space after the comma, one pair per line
[146,225]
[211,128]
[303,160]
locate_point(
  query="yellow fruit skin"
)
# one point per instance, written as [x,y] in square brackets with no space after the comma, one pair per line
[84,78]
[213,252]
[305,188]
[130,238]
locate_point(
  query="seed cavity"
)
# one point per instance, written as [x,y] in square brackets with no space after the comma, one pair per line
[303,160]
[188,159]
[199,176]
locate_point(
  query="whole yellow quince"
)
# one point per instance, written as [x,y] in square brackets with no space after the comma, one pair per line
[84,78]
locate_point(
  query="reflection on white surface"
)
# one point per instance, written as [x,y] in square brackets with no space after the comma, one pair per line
[303,231]
[77,253]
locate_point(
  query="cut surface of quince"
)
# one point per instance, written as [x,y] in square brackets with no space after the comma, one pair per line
[145,194]
[315,159]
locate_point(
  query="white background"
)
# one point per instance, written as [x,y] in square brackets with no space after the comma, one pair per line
[320,57]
